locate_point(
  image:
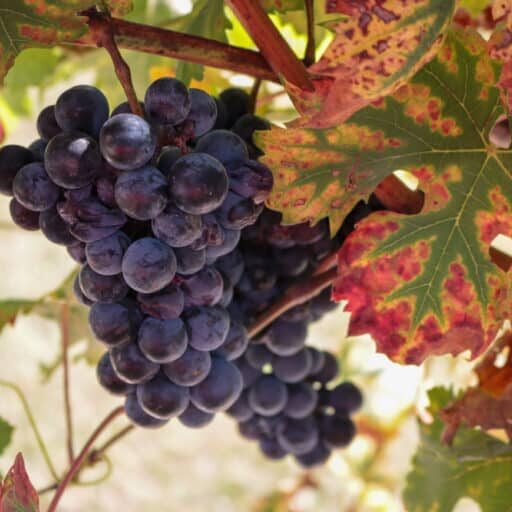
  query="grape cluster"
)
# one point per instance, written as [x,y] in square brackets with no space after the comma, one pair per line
[178,254]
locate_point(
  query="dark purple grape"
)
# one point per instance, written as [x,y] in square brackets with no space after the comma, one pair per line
[167,158]
[47,126]
[190,369]
[317,359]
[287,338]
[249,374]
[337,431]
[100,288]
[298,436]
[237,212]
[72,160]
[250,429]
[258,356]
[251,180]
[124,108]
[161,398]
[317,456]
[162,341]
[360,211]
[237,103]
[228,292]
[127,142]
[33,188]
[115,324]
[148,265]
[131,365]
[268,396]
[177,228]
[213,234]
[300,313]
[79,294]
[329,370]
[207,327]
[105,187]
[82,108]
[302,400]
[270,424]
[165,304]
[12,159]
[231,265]
[305,234]
[198,183]
[204,288]
[203,112]
[271,448]
[106,255]
[241,409]
[257,278]
[109,380]
[222,115]
[236,342]
[293,368]
[193,417]
[189,261]
[345,398]
[142,193]
[37,148]
[322,303]
[220,389]
[225,146]
[291,262]
[54,228]
[230,243]
[23,217]
[137,416]
[247,124]
[167,101]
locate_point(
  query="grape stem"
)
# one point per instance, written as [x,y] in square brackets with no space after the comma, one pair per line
[271,43]
[176,45]
[309,54]
[103,30]
[253,98]
[78,461]
[97,454]
[64,332]
[294,296]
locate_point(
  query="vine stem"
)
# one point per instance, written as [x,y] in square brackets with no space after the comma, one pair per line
[103,30]
[309,54]
[64,332]
[294,296]
[78,461]
[271,43]
[97,454]
[33,425]
[176,45]
[253,98]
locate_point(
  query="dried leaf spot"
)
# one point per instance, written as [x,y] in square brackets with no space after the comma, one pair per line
[458,287]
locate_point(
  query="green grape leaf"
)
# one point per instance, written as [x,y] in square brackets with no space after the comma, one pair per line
[419,284]
[43,23]
[207,19]
[282,5]
[6,431]
[17,494]
[474,6]
[11,308]
[374,51]
[477,466]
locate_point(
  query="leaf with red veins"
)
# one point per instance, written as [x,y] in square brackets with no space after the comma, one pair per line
[375,51]
[420,284]
[42,23]
[17,494]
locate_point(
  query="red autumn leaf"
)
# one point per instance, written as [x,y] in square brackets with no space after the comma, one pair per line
[17,494]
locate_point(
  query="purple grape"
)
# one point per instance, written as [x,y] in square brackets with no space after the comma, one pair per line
[231,265]
[294,368]
[203,111]
[237,103]
[37,148]
[249,374]
[204,288]
[100,288]
[247,124]
[137,416]
[236,342]
[227,147]
[167,101]
[259,356]
[130,364]
[268,396]
[193,417]
[189,261]
[207,327]
[165,304]
[271,448]
[287,338]
[33,188]
[302,400]
[317,456]
[162,341]
[106,255]
[251,180]
[317,359]
[12,159]
[23,217]
[109,380]
[345,398]
[54,228]
[79,294]
[47,126]
[124,108]
[250,429]
[337,431]
[241,409]
[105,186]
[177,228]
[329,370]
[190,369]
[231,240]
[166,160]
[298,436]
[237,212]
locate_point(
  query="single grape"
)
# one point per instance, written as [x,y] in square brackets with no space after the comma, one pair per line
[213,234]
[106,255]
[165,304]
[317,359]
[79,294]
[316,457]
[259,356]
[189,261]
[291,262]
[37,148]
[287,338]
[162,341]
[162,399]
[54,228]
[12,159]
[105,190]
[237,212]
[337,431]
[250,429]
[203,111]
[220,389]
[268,396]
[231,265]
[166,160]
[270,424]
[227,147]
[300,313]
[222,115]
[23,217]
[322,303]
[251,180]
[241,409]
[116,323]
[127,142]
[109,380]
[82,108]
[46,123]
[237,103]
[228,291]
[148,265]
[203,288]
[257,278]
[302,400]
[298,436]
[142,193]
[167,101]
[33,188]
[247,124]
[345,398]
[305,234]
[249,374]
[131,365]
[294,368]
[198,183]
[230,243]
[190,369]
[329,370]
[137,416]
[177,228]
[271,448]
[100,288]
[207,327]
[192,417]
[236,342]
[124,108]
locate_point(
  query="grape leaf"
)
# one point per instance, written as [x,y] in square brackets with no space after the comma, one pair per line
[473,6]
[378,48]
[476,466]
[17,494]
[6,431]
[282,5]
[11,308]
[420,284]
[207,19]
[43,23]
